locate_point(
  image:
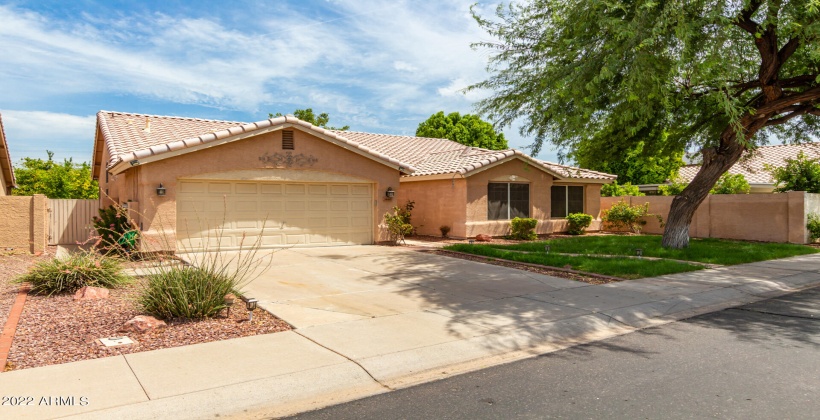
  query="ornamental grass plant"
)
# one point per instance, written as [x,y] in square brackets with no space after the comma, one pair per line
[73,272]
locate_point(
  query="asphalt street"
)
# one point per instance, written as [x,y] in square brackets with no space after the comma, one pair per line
[759,361]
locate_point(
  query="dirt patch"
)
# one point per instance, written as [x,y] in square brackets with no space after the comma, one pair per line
[58,329]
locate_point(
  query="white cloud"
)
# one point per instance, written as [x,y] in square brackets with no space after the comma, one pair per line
[65,134]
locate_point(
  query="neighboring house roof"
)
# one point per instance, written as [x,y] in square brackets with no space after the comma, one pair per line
[143,138]
[5,161]
[752,165]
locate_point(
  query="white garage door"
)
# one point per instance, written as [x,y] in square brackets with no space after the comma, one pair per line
[230,214]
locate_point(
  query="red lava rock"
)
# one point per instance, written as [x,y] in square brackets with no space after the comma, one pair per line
[483,238]
[89,292]
[142,323]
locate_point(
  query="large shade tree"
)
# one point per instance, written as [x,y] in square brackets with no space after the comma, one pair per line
[721,76]
[466,129]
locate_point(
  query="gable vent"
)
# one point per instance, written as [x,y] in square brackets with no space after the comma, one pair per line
[287,140]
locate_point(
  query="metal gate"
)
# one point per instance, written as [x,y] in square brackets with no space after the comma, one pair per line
[70,221]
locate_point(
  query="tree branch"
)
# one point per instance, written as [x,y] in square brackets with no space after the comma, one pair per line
[788,49]
[784,119]
[745,22]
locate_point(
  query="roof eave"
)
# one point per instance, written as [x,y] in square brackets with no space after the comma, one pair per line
[155,153]
[472,170]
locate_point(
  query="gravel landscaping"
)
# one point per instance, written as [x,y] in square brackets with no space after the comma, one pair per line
[11,266]
[58,329]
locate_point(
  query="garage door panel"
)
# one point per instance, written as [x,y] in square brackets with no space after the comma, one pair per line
[283,214]
[247,188]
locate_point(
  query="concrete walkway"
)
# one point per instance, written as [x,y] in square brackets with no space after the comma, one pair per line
[387,318]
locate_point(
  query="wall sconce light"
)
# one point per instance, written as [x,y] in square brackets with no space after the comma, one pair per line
[160,190]
[390,193]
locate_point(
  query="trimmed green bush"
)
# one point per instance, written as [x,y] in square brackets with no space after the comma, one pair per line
[622,216]
[69,274]
[814,226]
[187,292]
[523,228]
[578,222]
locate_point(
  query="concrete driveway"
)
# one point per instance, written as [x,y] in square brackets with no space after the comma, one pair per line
[318,286]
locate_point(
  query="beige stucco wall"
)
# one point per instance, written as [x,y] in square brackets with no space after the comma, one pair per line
[756,217]
[3,186]
[461,203]
[437,203]
[158,214]
[540,183]
[23,223]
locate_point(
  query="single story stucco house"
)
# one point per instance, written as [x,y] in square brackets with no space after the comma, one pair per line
[7,181]
[188,182]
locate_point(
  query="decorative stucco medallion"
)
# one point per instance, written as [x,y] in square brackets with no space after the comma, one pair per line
[287,160]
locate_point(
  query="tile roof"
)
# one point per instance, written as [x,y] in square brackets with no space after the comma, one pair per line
[5,160]
[751,166]
[138,136]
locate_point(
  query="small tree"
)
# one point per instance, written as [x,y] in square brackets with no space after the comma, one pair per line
[731,184]
[619,190]
[799,174]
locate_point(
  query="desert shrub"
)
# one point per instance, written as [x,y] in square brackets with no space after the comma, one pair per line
[397,226]
[71,273]
[799,174]
[731,184]
[116,232]
[578,222]
[187,292]
[523,228]
[622,216]
[813,226]
[445,230]
[619,190]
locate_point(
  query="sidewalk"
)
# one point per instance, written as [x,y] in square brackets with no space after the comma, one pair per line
[316,366]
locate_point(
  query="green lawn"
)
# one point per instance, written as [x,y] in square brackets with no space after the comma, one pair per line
[711,251]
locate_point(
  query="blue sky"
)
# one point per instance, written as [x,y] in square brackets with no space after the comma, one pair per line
[378,66]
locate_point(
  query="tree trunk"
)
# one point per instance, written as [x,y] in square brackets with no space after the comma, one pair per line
[715,163]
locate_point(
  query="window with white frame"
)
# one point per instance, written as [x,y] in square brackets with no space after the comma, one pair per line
[507,200]
[566,199]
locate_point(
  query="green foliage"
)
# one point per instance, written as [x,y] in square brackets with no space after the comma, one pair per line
[625,268]
[71,273]
[445,230]
[675,187]
[731,184]
[619,190]
[799,174]
[622,216]
[705,250]
[659,76]
[523,228]
[466,129]
[813,226]
[578,222]
[398,224]
[55,180]
[633,163]
[187,292]
[117,233]
[307,115]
